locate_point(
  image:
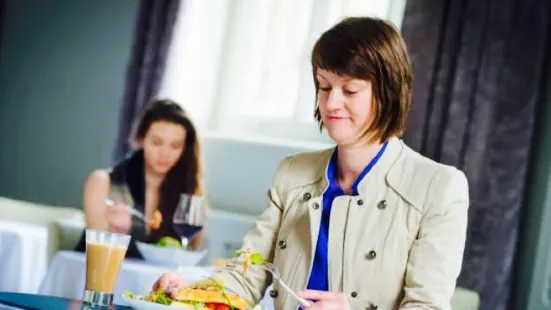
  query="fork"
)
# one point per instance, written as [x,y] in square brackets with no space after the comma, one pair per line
[136,213]
[271,268]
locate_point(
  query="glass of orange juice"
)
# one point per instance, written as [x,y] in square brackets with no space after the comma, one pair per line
[105,252]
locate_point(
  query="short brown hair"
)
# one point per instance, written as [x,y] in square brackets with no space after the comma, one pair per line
[369,49]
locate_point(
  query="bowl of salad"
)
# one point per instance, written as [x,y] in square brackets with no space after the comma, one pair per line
[169,252]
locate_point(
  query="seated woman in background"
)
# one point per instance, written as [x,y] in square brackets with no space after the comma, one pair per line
[165,164]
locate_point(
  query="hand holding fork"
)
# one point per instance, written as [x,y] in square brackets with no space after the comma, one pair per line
[272,269]
[154,222]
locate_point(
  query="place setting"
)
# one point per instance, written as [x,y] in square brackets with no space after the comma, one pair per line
[102,277]
[105,253]
[188,220]
[210,292]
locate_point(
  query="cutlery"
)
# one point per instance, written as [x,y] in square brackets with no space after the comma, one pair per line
[136,213]
[271,268]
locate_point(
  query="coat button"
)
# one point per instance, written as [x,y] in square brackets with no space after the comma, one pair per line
[273,293]
[371,255]
[354,294]
[360,202]
[381,205]
[306,196]
[316,206]
[282,244]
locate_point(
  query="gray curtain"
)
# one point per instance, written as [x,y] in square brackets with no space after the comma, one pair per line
[2,9]
[152,37]
[478,69]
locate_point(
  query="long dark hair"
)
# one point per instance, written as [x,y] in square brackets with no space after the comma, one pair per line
[185,176]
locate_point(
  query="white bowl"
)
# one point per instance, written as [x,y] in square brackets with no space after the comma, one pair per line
[171,257]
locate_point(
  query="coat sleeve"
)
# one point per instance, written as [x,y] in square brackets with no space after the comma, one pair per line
[260,239]
[436,255]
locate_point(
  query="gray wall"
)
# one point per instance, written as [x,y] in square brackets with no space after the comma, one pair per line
[239,173]
[62,67]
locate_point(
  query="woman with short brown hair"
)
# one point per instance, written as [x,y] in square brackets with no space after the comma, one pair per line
[369,224]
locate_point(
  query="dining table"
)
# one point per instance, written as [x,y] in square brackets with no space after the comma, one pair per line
[67,273]
[23,256]
[66,277]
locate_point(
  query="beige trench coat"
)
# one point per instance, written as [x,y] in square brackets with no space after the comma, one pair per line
[397,245]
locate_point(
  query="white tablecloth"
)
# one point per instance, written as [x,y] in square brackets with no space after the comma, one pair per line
[66,277]
[23,256]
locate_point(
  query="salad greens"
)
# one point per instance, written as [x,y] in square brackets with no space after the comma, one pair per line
[128,294]
[249,258]
[161,298]
[168,242]
[156,297]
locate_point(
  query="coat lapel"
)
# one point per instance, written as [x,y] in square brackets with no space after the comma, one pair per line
[375,180]
[336,237]
[315,205]
[314,213]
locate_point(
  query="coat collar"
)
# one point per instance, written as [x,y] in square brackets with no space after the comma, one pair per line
[382,171]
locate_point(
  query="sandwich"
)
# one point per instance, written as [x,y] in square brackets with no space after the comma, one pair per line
[207,294]
[209,300]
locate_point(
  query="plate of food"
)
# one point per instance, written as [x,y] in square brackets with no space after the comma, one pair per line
[169,252]
[207,294]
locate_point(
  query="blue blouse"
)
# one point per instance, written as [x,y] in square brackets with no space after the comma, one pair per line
[319,276]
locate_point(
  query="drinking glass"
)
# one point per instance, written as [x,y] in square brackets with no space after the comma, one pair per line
[189,217]
[105,252]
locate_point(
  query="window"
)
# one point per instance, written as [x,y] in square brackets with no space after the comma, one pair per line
[242,67]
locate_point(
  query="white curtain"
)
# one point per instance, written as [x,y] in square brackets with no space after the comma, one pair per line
[242,67]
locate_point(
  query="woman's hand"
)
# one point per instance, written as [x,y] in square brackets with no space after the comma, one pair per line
[119,219]
[170,282]
[325,300]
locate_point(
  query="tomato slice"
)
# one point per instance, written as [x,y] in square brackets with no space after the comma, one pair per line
[217,306]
